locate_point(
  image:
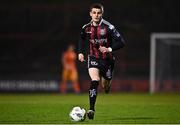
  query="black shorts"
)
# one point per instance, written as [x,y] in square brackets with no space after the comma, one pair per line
[105,66]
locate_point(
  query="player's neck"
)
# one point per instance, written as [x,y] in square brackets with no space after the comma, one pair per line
[95,23]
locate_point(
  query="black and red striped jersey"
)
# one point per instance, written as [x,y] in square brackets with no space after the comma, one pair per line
[105,34]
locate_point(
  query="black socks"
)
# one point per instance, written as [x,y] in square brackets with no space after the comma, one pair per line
[93,94]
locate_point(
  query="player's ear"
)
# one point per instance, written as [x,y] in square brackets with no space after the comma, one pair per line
[102,14]
[90,13]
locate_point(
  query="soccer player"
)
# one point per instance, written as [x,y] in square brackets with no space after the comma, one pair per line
[69,72]
[102,39]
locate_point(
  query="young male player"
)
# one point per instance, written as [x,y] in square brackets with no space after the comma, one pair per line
[102,39]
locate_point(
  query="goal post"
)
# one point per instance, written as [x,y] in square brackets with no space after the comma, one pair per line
[164,61]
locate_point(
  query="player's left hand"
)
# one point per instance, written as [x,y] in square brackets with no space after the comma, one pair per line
[103,49]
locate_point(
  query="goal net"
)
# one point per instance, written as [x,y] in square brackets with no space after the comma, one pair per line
[165,62]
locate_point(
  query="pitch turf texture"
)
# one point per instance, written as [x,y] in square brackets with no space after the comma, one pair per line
[111,109]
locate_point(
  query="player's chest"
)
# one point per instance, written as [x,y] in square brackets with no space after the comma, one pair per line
[96,32]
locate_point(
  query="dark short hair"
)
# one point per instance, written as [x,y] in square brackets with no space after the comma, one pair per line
[98,6]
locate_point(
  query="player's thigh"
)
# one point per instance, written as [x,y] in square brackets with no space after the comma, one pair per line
[64,75]
[107,69]
[74,76]
[94,74]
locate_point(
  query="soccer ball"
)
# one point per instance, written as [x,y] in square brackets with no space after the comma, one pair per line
[77,114]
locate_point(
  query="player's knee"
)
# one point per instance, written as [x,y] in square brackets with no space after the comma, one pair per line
[95,79]
[94,84]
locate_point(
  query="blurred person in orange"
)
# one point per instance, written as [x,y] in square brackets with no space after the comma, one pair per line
[69,72]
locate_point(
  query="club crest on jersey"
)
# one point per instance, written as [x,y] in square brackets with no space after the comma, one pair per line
[102,32]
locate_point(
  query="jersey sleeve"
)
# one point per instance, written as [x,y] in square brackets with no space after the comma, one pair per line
[118,41]
[82,40]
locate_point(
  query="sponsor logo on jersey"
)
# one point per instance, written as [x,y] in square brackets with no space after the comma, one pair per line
[94,63]
[98,41]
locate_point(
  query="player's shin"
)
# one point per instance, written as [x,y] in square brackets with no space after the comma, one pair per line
[93,94]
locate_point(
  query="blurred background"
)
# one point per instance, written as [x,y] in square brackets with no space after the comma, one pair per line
[34,34]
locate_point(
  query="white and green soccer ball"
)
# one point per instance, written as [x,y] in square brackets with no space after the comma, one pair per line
[77,114]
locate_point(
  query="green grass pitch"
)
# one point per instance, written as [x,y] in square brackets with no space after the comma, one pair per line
[114,108]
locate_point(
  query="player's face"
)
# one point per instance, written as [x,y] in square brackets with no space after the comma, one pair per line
[96,15]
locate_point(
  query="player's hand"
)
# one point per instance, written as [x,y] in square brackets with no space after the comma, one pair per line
[104,49]
[81,57]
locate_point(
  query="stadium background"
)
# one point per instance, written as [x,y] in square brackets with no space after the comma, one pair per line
[33,35]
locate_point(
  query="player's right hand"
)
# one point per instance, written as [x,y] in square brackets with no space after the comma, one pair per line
[81,57]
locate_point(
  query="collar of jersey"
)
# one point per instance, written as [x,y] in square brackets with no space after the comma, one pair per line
[99,22]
